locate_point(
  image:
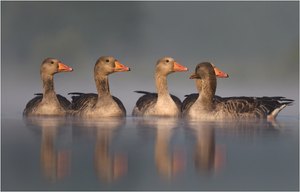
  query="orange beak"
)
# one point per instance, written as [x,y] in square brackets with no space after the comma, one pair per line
[119,67]
[64,68]
[179,68]
[220,73]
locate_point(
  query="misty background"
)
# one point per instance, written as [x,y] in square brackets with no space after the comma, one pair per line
[256,43]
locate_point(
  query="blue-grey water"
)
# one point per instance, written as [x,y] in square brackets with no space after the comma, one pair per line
[149,154]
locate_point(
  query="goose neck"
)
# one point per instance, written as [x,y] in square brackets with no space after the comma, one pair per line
[102,85]
[161,85]
[48,87]
[208,90]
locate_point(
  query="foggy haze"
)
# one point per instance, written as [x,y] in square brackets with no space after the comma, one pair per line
[256,43]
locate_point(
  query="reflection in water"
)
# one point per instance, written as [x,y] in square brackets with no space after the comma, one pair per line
[55,162]
[108,166]
[249,129]
[208,156]
[206,150]
[168,163]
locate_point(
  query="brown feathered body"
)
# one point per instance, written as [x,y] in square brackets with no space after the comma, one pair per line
[146,104]
[58,106]
[160,103]
[48,102]
[102,104]
[206,105]
[85,104]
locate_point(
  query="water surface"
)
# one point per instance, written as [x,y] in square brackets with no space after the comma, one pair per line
[149,154]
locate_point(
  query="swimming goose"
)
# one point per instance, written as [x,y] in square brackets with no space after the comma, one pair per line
[208,107]
[102,104]
[160,103]
[49,103]
[191,98]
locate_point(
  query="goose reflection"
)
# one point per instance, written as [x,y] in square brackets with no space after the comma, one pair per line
[209,157]
[168,163]
[55,161]
[109,166]
[249,130]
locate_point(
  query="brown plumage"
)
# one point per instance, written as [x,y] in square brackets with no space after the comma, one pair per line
[102,104]
[149,99]
[160,103]
[49,103]
[191,98]
[210,107]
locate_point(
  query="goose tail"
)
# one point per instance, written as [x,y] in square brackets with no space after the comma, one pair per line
[275,112]
[283,103]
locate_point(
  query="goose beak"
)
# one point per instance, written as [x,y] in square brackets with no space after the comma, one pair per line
[64,68]
[179,68]
[119,67]
[194,76]
[220,73]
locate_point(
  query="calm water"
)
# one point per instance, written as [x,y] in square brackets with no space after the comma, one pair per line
[149,154]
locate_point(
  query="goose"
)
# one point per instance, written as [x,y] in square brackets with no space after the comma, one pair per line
[102,104]
[49,103]
[191,98]
[160,103]
[208,107]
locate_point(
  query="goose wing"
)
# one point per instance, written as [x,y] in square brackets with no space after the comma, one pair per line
[252,106]
[189,101]
[177,101]
[80,101]
[145,101]
[32,104]
[64,102]
[120,104]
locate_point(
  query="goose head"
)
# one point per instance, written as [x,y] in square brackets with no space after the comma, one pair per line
[106,65]
[51,66]
[207,69]
[167,65]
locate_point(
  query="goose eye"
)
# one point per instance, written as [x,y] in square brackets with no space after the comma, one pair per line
[52,62]
[167,61]
[107,60]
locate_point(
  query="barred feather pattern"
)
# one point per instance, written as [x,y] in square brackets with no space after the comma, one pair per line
[242,107]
